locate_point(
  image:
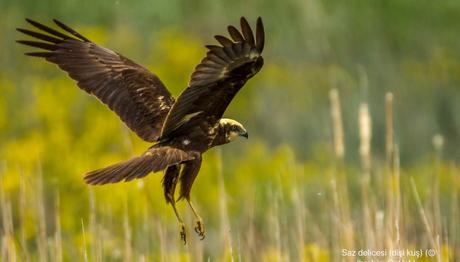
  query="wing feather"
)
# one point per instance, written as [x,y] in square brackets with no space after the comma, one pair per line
[260,35]
[39,36]
[136,95]
[223,40]
[235,34]
[217,79]
[70,30]
[157,158]
[247,31]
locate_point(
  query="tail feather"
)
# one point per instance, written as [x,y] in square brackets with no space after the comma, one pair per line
[154,160]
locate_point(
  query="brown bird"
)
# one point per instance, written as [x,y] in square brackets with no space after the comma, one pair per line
[181,129]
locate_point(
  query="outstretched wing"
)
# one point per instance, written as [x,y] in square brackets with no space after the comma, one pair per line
[137,96]
[154,160]
[217,79]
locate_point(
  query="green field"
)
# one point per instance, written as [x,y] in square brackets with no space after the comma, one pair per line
[353,151]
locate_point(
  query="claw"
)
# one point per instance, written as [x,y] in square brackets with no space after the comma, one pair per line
[183,235]
[199,226]
[199,229]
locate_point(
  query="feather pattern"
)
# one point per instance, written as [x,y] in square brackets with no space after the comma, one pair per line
[138,97]
[154,160]
[217,79]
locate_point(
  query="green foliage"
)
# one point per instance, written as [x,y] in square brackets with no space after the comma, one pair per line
[282,194]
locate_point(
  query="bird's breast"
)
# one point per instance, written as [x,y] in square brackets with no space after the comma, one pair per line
[200,138]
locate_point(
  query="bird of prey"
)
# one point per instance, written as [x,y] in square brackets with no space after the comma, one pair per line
[181,129]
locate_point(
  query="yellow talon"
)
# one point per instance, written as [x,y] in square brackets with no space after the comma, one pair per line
[199,229]
[183,235]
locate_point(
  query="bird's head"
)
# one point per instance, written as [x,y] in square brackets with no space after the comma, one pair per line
[232,129]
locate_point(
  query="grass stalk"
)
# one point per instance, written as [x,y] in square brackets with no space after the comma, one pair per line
[337,124]
[365,134]
[438,144]
[57,230]
[431,236]
[84,247]
[42,242]
[22,217]
[389,129]
[8,247]
[128,251]
[225,227]
[339,183]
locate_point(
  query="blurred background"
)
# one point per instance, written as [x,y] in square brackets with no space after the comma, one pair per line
[353,122]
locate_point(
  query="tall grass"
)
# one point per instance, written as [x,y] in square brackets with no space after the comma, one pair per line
[308,211]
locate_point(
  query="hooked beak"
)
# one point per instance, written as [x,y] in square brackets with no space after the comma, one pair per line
[244,134]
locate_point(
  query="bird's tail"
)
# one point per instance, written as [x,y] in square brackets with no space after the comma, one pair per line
[154,160]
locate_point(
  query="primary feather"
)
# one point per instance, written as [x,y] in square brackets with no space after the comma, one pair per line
[137,96]
[217,79]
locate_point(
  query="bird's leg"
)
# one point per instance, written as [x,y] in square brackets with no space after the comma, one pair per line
[187,177]
[183,235]
[170,180]
[199,225]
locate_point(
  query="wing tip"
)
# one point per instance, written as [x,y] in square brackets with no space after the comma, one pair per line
[30,21]
[224,41]
[68,29]
[56,33]
[247,34]
[260,34]
[37,44]
[247,31]
[96,178]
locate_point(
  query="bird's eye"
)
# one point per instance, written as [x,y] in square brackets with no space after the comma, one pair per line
[234,128]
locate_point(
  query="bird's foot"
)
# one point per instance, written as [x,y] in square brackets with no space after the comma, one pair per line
[199,228]
[183,235]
